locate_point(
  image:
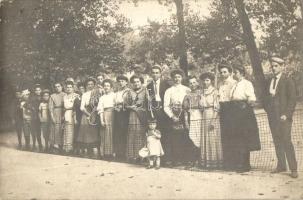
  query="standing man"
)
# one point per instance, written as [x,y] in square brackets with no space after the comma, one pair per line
[156,90]
[225,120]
[35,101]
[280,105]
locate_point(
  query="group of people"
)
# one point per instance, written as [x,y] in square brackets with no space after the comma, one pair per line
[214,128]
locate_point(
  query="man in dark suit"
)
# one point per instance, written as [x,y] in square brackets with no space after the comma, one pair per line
[280,105]
[156,89]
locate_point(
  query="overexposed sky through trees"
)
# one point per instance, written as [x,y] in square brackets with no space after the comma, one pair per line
[151,10]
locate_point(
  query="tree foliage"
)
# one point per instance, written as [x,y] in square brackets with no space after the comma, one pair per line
[52,39]
[281,22]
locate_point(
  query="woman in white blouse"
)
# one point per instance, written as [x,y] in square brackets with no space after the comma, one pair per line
[88,132]
[106,111]
[173,99]
[69,117]
[243,121]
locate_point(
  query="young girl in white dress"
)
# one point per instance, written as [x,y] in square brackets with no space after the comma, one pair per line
[154,145]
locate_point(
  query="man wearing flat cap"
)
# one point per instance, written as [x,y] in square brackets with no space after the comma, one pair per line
[280,105]
[156,90]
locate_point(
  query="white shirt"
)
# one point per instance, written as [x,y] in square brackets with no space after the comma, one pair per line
[120,95]
[224,89]
[174,95]
[156,85]
[85,100]
[106,101]
[243,90]
[272,90]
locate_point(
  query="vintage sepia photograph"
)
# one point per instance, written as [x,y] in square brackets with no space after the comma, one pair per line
[151,99]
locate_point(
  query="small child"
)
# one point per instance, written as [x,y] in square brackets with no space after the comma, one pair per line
[153,144]
[44,117]
[27,118]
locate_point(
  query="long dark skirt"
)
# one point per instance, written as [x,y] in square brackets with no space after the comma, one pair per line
[227,137]
[120,132]
[182,147]
[88,136]
[244,136]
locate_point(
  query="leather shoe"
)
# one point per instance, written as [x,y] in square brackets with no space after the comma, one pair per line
[278,171]
[294,174]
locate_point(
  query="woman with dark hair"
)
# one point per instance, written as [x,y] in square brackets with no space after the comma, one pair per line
[211,148]
[56,115]
[136,103]
[106,111]
[88,132]
[173,100]
[193,117]
[121,117]
[244,125]
[69,117]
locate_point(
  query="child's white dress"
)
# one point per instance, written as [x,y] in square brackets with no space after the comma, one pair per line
[153,143]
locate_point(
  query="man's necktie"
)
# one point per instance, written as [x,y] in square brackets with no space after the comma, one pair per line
[275,81]
[156,89]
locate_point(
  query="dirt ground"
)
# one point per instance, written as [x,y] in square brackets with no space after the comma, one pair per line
[27,175]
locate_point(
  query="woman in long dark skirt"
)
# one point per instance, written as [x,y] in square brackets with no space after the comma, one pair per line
[121,118]
[243,121]
[181,145]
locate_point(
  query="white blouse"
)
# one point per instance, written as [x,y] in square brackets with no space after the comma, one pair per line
[120,95]
[243,90]
[174,96]
[85,100]
[106,101]
[225,88]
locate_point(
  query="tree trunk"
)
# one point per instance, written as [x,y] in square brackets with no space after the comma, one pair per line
[182,51]
[251,46]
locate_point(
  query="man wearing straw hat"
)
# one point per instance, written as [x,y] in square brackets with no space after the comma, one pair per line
[280,105]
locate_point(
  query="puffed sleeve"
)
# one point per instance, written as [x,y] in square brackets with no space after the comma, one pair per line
[83,102]
[166,103]
[51,105]
[216,101]
[157,134]
[100,107]
[250,92]
[186,103]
